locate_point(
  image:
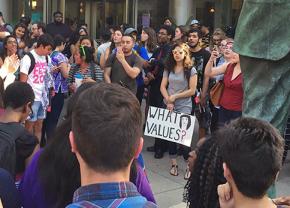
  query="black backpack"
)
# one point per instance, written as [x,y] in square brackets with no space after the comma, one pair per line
[32,64]
[8,138]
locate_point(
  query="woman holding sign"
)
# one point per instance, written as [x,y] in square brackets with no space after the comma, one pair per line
[177,87]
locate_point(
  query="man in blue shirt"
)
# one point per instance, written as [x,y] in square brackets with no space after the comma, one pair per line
[106,137]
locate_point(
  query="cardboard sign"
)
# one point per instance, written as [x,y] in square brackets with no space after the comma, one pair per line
[170,126]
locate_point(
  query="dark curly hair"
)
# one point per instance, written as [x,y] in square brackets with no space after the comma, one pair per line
[201,188]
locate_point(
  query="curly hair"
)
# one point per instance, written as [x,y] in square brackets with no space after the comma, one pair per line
[171,63]
[201,188]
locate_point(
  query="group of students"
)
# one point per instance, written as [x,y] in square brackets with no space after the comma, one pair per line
[175,68]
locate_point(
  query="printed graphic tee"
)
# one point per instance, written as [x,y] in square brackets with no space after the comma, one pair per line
[36,77]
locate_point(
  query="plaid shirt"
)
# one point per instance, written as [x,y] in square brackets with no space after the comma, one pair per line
[109,195]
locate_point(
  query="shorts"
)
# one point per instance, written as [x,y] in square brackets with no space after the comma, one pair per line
[38,112]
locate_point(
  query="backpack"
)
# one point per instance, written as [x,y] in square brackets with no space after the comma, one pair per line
[8,147]
[32,64]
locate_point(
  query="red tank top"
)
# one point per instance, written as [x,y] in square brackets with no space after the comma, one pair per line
[232,97]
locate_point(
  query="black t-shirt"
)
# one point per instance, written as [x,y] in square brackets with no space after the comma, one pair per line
[25,143]
[58,29]
[200,60]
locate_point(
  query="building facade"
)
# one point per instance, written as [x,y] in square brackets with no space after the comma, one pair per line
[100,13]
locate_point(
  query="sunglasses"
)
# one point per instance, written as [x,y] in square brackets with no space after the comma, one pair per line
[175,52]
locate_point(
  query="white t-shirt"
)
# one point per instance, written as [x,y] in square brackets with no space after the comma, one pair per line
[36,77]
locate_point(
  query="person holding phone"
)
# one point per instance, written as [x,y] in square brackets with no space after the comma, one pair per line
[232,96]
[124,66]
[61,69]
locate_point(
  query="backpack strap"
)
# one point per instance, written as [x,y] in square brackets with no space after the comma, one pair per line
[32,62]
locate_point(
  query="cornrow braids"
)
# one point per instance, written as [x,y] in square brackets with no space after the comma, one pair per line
[201,188]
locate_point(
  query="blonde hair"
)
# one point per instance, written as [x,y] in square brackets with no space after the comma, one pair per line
[188,63]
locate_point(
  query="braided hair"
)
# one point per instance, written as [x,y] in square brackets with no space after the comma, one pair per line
[201,188]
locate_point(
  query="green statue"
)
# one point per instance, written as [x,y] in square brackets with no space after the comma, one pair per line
[263,42]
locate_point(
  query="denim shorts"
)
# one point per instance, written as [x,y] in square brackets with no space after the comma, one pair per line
[38,112]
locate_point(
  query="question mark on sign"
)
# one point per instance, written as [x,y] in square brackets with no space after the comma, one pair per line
[183,134]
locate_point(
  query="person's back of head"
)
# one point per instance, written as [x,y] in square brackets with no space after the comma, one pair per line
[58,40]
[45,40]
[65,179]
[41,26]
[252,151]
[18,95]
[106,128]
[207,174]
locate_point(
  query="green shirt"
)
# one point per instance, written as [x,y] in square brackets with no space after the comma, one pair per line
[263,29]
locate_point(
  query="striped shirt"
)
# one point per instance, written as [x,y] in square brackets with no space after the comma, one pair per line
[93,71]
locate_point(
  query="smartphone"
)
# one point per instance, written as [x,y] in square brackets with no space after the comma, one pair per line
[215,48]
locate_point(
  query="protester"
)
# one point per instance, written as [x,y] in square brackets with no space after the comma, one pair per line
[106,43]
[5,29]
[116,42]
[124,66]
[195,24]
[154,74]
[20,32]
[177,87]
[149,40]
[35,70]
[41,28]
[207,174]
[169,21]
[200,57]
[10,47]
[66,178]
[33,37]
[9,197]
[118,109]
[26,20]
[250,148]
[217,37]
[16,154]
[60,76]
[82,37]
[180,34]
[84,69]
[205,29]
[232,96]
[58,27]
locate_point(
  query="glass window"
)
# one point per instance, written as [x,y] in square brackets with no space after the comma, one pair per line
[31,8]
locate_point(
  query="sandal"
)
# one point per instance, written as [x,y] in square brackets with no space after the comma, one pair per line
[187,173]
[174,170]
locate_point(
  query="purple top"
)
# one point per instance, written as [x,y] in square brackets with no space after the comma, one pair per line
[33,196]
[60,83]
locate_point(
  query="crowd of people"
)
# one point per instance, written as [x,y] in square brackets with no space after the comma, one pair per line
[67,102]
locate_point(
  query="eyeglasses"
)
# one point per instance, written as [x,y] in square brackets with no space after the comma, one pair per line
[175,52]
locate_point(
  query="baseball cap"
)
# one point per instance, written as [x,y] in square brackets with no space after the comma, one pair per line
[130,30]
[194,21]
